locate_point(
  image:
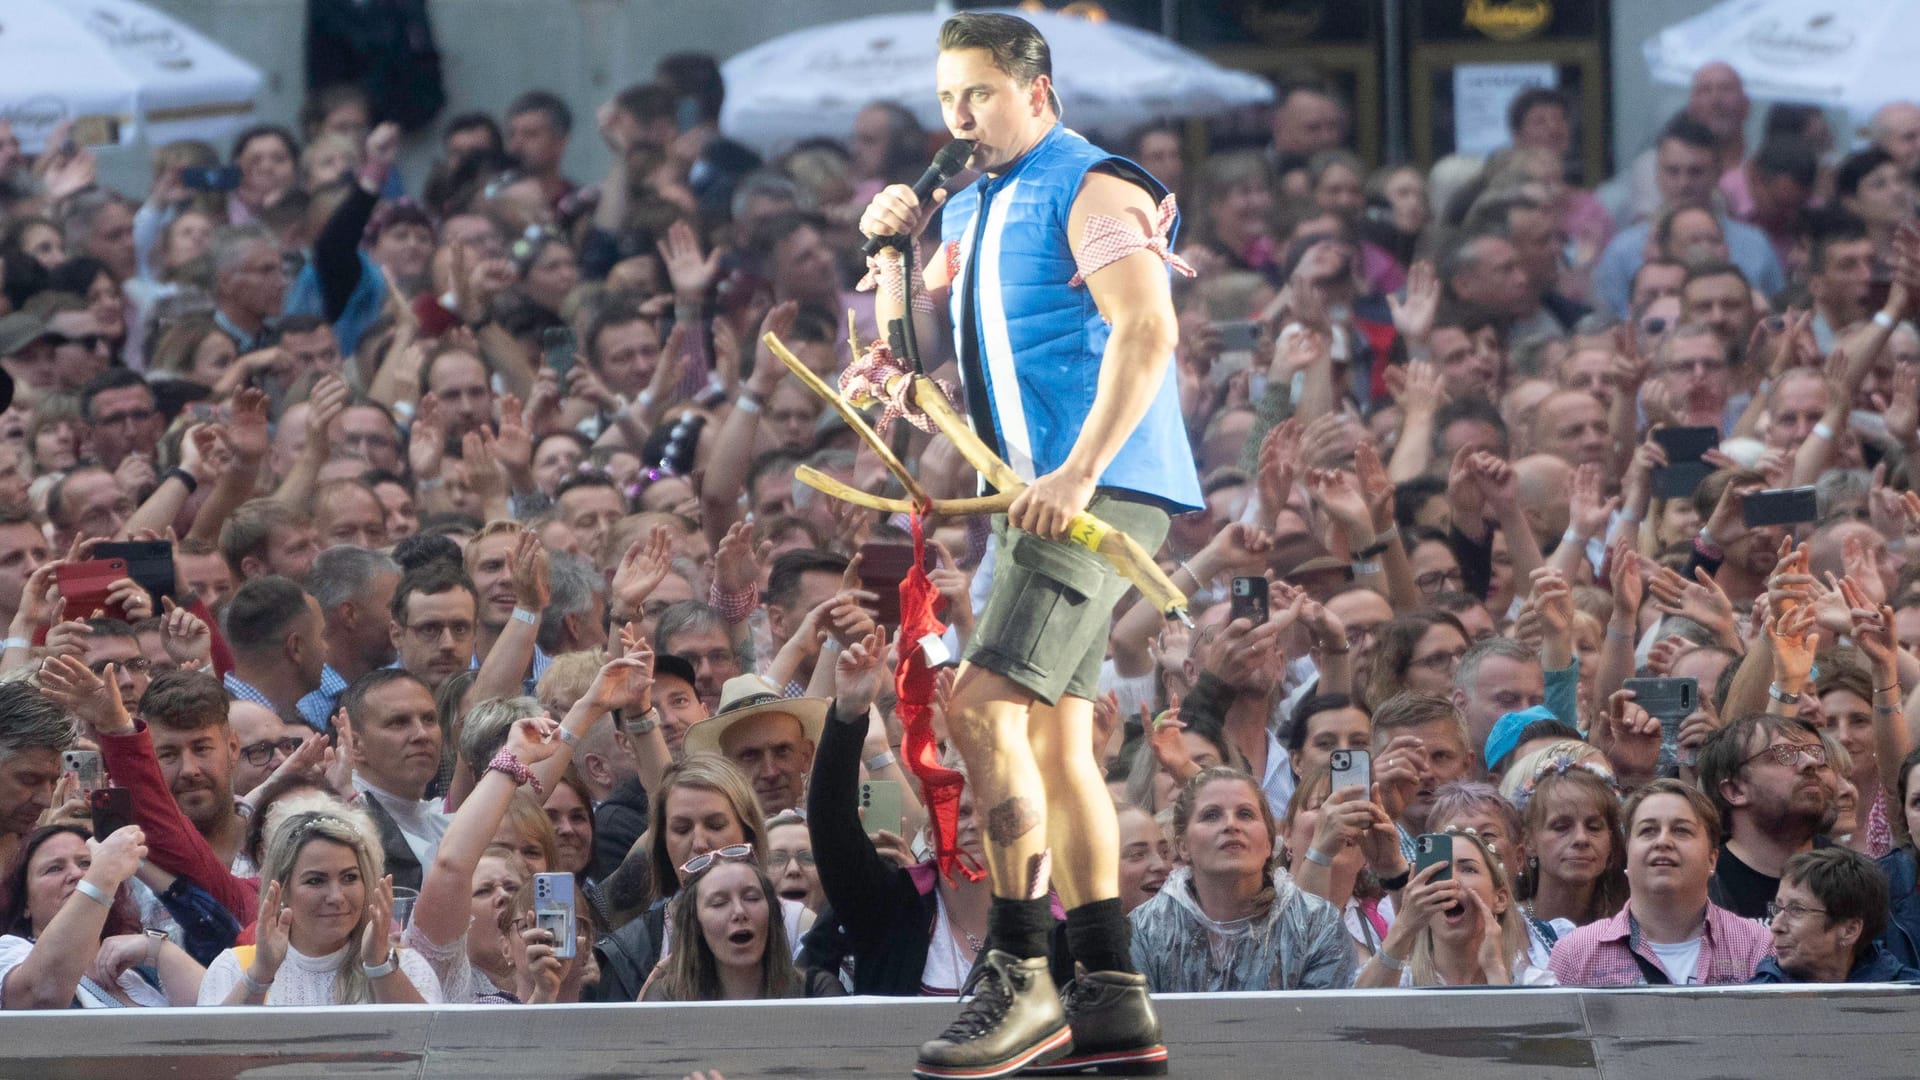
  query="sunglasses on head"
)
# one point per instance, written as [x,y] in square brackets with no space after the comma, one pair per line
[731,853]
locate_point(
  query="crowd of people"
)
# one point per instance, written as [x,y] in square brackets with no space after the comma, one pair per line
[488,560]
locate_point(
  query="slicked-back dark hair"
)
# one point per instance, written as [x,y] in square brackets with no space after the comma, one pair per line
[1015,45]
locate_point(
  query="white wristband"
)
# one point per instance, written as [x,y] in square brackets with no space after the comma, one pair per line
[1823,431]
[1883,320]
[531,618]
[1318,857]
[12,643]
[92,892]
[746,403]
[1366,568]
[881,760]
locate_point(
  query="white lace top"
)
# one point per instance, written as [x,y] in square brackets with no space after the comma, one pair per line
[310,980]
[460,982]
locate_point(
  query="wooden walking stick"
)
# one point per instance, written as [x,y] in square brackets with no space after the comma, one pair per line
[1131,560]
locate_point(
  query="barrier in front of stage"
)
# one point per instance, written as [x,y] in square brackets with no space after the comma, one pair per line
[1852,1032]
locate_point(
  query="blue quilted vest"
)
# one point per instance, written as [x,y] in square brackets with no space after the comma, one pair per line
[1037,342]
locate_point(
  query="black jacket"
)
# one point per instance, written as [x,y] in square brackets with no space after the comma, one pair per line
[617,823]
[880,916]
[401,861]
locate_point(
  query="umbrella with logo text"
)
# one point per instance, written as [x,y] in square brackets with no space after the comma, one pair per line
[1852,54]
[120,71]
[1110,77]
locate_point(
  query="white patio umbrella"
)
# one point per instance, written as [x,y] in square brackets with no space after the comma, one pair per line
[1109,76]
[1851,54]
[116,62]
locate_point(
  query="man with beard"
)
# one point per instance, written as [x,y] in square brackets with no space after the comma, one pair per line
[184,714]
[1774,786]
[1739,558]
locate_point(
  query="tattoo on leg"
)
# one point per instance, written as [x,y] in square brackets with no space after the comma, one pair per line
[1039,874]
[1012,819]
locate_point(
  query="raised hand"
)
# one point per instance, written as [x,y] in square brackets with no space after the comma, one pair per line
[1169,650]
[534,739]
[1552,597]
[1424,898]
[641,570]
[129,598]
[1170,750]
[953,585]
[93,698]
[1376,487]
[689,271]
[531,570]
[1413,317]
[1398,771]
[1465,495]
[1333,491]
[1872,632]
[625,681]
[185,635]
[1662,654]
[1495,964]
[39,600]
[1279,465]
[271,932]
[1625,576]
[1701,600]
[1634,737]
[1588,509]
[767,368]
[376,942]
[1795,640]
[513,444]
[426,439]
[1495,479]
[736,566]
[857,674]
[116,858]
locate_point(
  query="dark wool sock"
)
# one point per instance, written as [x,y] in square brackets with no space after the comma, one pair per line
[1019,927]
[1097,934]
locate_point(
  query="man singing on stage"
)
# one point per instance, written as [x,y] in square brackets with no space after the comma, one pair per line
[1056,260]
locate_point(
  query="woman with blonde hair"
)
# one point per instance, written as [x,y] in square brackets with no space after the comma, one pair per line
[325,926]
[1461,929]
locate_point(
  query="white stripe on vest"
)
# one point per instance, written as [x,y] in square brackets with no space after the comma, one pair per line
[997,344]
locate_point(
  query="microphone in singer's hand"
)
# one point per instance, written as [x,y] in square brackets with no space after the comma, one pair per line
[950,160]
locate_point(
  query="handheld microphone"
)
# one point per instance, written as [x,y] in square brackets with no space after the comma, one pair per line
[951,159]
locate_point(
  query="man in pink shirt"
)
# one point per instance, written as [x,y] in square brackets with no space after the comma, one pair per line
[1669,933]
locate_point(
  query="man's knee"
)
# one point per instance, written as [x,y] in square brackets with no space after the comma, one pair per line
[986,710]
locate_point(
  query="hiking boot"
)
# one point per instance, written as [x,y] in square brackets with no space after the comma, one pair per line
[1115,1030]
[1013,1020]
